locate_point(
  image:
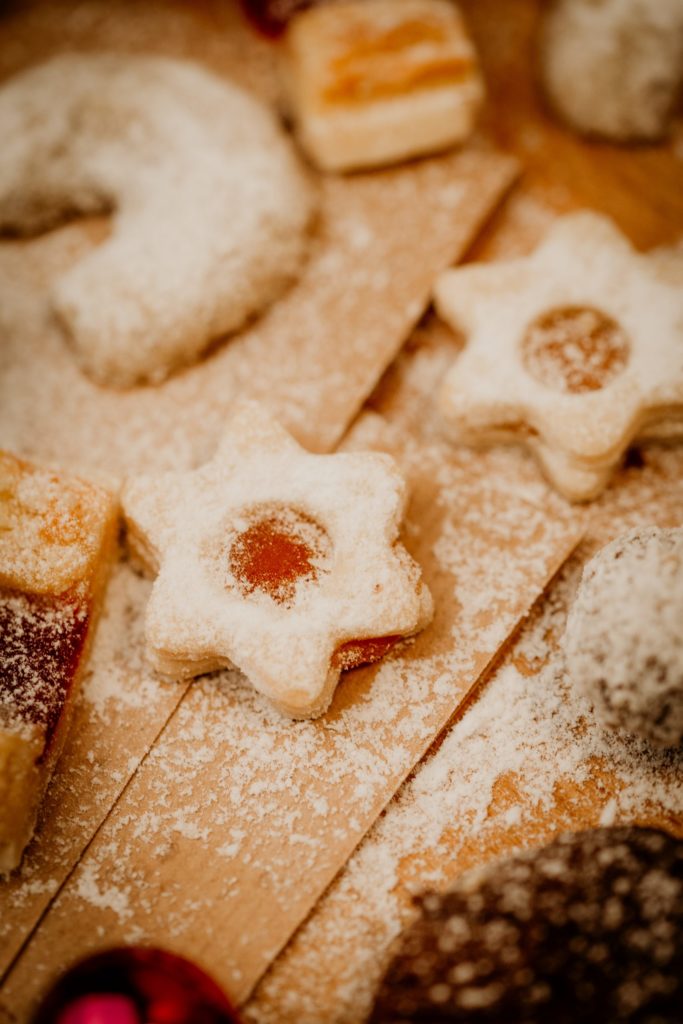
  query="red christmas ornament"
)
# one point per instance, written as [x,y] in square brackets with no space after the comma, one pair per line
[135,986]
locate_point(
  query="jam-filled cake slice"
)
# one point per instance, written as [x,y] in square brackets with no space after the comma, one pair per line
[56,540]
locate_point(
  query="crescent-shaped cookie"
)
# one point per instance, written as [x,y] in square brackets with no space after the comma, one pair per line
[210,204]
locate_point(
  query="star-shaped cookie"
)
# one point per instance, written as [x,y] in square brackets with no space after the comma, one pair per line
[282,563]
[574,351]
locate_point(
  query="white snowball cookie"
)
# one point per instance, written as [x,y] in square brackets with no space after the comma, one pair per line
[210,205]
[614,68]
[623,644]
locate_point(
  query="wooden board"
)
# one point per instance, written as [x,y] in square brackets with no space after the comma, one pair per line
[332,960]
[313,358]
[524,759]
[482,793]
[238,820]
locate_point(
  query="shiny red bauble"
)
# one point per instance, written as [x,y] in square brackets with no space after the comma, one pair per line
[135,985]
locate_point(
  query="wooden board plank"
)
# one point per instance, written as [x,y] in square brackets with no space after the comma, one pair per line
[527,760]
[238,820]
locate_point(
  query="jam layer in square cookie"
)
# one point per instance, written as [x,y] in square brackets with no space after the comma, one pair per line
[56,539]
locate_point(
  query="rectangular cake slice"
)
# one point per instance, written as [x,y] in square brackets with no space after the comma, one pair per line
[372,82]
[57,537]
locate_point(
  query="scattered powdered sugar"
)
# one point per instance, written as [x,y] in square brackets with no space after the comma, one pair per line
[285,803]
[526,761]
[103,894]
[119,682]
[118,712]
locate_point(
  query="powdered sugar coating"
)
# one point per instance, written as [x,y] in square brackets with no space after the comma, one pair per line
[624,640]
[491,393]
[51,527]
[613,69]
[587,928]
[211,205]
[55,539]
[366,586]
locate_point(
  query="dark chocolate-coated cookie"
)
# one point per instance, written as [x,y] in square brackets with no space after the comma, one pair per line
[586,930]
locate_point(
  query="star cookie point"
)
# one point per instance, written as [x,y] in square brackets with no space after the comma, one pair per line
[285,564]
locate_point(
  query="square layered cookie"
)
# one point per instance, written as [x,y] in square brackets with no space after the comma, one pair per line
[57,537]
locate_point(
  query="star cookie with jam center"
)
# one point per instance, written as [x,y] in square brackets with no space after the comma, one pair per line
[574,351]
[284,564]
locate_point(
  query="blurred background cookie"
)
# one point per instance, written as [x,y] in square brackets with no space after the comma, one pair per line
[210,204]
[585,929]
[613,68]
[624,640]
[372,82]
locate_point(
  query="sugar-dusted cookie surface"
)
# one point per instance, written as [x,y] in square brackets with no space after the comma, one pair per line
[372,82]
[587,929]
[572,351]
[284,564]
[624,641]
[55,536]
[613,69]
[211,206]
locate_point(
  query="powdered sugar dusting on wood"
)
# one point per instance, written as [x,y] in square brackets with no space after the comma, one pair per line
[237,821]
[528,760]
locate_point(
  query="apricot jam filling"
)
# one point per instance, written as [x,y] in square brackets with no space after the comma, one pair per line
[363,652]
[373,64]
[280,549]
[575,349]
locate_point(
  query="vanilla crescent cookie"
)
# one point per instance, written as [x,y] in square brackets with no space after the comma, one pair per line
[573,351]
[623,645]
[284,564]
[371,82]
[210,204]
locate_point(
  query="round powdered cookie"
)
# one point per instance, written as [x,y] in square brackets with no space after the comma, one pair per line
[614,68]
[624,639]
[210,204]
[587,929]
